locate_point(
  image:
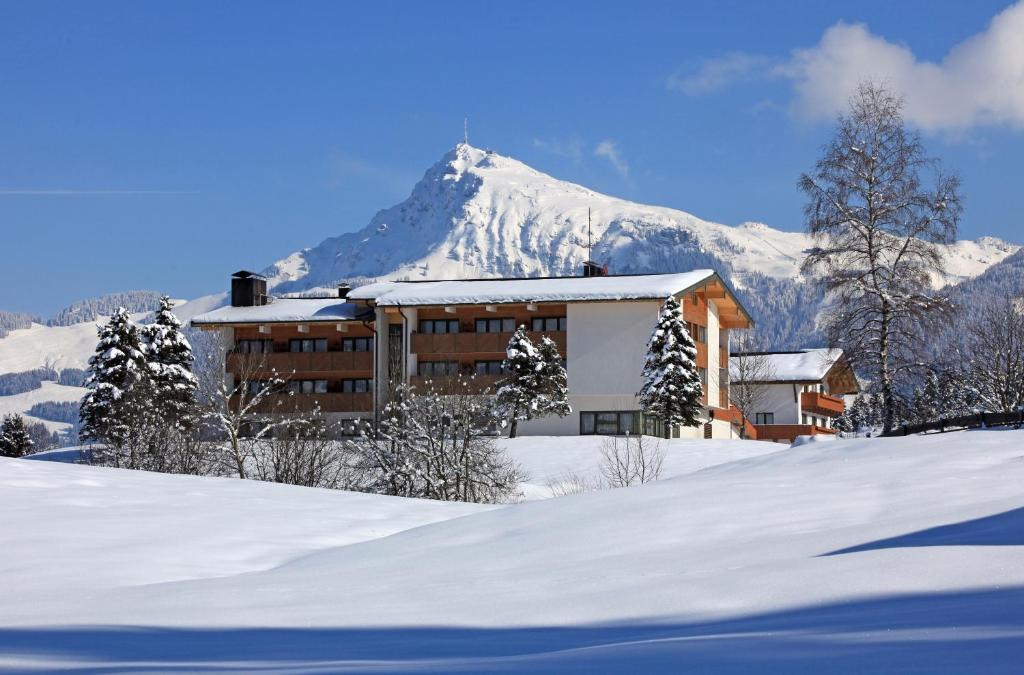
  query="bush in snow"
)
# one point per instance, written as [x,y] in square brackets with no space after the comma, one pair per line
[672,390]
[14,437]
[631,460]
[435,446]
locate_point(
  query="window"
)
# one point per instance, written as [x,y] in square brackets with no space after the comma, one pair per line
[308,345]
[703,373]
[357,344]
[495,325]
[307,386]
[698,333]
[437,368]
[804,418]
[352,427]
[359,386]
[256,387]
[548,324]
[254,346]
[610,423]
[439,326]
[489,368]
[764,418]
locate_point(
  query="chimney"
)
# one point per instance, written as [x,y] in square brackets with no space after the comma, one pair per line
[592,269]
[248,289]
[343,290]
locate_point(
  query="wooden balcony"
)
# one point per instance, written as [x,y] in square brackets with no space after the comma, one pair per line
[788,432]
[474,343]
[732,416]
[304,403]
[470,384]
[285,363]
[821,404]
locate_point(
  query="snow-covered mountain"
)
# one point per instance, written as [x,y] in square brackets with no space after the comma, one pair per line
[477,213]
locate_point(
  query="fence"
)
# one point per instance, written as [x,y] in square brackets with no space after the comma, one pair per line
[975,421]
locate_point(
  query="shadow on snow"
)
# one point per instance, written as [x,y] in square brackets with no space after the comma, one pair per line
[948,632]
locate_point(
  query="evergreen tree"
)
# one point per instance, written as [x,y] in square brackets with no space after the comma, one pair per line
[519,392]
[14,437]
[672,390]
[553,382]
[118,382]
[169,357]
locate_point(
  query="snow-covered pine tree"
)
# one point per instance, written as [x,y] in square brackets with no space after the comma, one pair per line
[553,380]
[672,390]
[519,392]
[117,379]
[169,357]
[14,437]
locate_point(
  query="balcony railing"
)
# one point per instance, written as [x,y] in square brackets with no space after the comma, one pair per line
[475,343]
[304,403]
[822,404]
[468,384]
[300,362]
[788,432]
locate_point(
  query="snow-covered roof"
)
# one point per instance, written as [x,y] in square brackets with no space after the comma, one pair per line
[557,289]
[284,310]
[805,365]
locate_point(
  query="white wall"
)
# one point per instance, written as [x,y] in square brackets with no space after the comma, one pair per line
[779,399]
[712,345]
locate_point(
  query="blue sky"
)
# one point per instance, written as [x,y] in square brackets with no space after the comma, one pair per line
[164,145]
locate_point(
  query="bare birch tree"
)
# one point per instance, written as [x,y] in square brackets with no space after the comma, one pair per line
[877,229]
[750,374]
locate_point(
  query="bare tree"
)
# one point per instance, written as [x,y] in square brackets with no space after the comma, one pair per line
[750,374]
[631,460]
[993,355]
[235,406]
[303,451]
[877,228]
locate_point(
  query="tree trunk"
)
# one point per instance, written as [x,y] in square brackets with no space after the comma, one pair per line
[512,429]
[885,375]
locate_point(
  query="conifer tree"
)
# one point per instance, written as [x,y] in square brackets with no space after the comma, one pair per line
[117,382]
[672,390]
[169,358]
[519,392]
[14,437]
[553,381]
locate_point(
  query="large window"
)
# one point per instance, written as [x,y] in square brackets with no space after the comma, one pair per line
[764,418]
[439,326]
[364,344]
[548,324]
[357,386]
[307,386]
[489,368]
[256,387]
[437,368]
[308,345]
[610,423]
[495,325]
[254,346]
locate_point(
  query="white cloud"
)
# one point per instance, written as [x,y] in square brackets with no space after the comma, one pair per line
[610,151]
[719,72]
[571,148]
[979,81]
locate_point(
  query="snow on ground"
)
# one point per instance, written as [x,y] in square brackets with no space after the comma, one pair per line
[549,461]
[49,391]
[865,555]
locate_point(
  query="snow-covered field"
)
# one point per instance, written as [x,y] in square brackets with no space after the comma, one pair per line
[49,391]
[867,555]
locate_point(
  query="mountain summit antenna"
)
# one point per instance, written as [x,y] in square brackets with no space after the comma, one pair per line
[465,131]
[590,239]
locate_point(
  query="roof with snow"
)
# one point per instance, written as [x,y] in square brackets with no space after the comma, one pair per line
[284,310]
[542,289]
[805,365]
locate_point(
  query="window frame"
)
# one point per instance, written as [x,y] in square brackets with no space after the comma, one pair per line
[502,322]
[561,324]
[636,423]
[353,341]
[351,385]
[764,418]
[448,367]
[433,323]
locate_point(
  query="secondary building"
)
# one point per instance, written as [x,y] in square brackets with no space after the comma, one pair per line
[344,354]
[797,393]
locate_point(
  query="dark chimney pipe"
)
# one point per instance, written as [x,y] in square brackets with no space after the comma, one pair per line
[343,290]
[248,289]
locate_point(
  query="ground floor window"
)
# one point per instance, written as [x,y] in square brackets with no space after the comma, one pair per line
[437,368]
[610,423]
[489,368]
[764,418]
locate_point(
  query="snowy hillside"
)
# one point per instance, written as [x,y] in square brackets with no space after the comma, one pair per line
[830,557]
[477,213]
